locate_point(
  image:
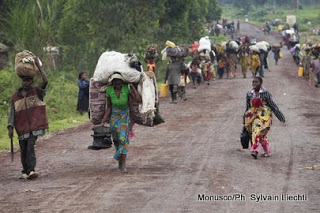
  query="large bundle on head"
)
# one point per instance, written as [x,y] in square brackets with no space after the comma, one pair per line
[184,50]
[276,46]
[262,47]
[220,50]
[151,53]
[115,62]
[204,44]
[254,49]
[316,49]
[171,50]
[232,47]
[267,45]
[25,64]
[97,101]
[174,52]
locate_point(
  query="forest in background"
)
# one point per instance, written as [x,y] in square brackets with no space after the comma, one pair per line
[84,29]
[247,5]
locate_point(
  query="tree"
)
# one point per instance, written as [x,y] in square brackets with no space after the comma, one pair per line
[214,11]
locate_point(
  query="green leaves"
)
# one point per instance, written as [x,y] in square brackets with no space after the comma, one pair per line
[84,29]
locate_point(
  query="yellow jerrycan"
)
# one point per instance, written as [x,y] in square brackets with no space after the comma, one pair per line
[164,91]
[300,72]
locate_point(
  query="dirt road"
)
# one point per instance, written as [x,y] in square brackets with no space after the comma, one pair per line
[197,151]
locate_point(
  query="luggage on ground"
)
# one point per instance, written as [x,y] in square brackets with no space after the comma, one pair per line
[245,138]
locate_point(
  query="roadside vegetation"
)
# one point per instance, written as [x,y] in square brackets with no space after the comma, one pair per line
[259,15]
[84,29]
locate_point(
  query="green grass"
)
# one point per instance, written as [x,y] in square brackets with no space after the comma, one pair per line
[61,101]
[262,14]
[259,16]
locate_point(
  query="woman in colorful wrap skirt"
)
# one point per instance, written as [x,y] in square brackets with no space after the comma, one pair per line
[258,116]
[117,115]
[244,60]
[254,63]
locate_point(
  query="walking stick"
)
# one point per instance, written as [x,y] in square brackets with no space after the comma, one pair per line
[12,154]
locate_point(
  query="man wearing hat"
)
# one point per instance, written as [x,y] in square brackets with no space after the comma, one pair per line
[27,115]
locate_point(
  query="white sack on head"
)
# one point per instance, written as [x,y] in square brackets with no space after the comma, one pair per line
[111,62]
[262,46]
[266,43]
[254,48]
[224,45]
[204,44]
[233,45]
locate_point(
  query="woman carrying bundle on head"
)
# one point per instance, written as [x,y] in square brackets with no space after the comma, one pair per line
[117,115]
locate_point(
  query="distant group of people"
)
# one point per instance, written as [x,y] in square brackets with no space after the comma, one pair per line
[306,57]
[229,29]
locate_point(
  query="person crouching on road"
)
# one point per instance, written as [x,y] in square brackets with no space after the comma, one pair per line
[117,115]
[28,116]
[173,76]
[258,116]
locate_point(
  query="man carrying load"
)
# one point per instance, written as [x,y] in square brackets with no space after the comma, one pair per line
[27,112]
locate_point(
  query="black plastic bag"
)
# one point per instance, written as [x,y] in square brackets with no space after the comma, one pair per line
[245,138]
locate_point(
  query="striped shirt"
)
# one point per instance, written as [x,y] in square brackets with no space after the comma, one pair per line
[266,96]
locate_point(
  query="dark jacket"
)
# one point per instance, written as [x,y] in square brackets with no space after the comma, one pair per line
[83,88]
[266,96]
[174,71]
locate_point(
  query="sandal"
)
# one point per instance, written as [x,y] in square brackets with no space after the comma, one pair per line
[254,154]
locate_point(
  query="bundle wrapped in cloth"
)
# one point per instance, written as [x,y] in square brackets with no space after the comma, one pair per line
[204,44]
[151,53]
[147,113]
[115,62]
[262,46]
[97,101]
[316,48]
[25,64]
[233,45]
[254,48]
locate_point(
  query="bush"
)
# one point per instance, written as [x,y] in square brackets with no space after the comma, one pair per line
[260,13]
